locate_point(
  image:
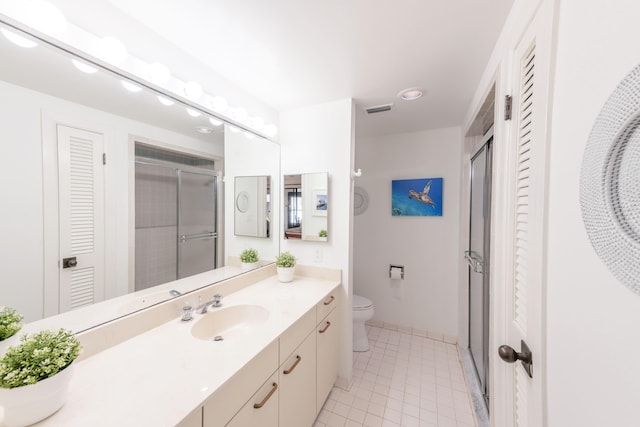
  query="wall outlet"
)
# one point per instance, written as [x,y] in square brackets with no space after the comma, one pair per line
[317,255]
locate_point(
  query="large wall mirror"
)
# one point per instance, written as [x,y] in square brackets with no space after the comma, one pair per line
[306,206]
[111,191]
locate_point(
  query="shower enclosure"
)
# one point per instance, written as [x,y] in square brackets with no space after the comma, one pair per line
[176,216]
[477,257]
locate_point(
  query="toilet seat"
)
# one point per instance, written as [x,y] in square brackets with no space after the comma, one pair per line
[361,303]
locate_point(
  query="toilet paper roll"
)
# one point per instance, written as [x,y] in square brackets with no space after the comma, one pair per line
[396,282]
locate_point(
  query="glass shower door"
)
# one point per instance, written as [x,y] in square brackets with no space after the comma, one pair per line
[478,258]
[197,234]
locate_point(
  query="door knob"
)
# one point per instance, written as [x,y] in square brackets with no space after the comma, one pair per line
[509,355]
[69,262]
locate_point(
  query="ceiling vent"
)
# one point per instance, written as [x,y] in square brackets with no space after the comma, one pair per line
[378,109]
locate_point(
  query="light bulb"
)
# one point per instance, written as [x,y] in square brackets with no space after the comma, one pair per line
[256,122]
[46,18]
[234,129]
[240,114]
[112,50]
[219,103]
[131,87]
[83,66]
[165,101]
[158,73]
[193,113]
[193,90]
[215,122]
[271,130]
[18,40]
[249,135]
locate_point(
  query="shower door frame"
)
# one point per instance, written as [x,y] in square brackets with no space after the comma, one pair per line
[177,167]
[486,150]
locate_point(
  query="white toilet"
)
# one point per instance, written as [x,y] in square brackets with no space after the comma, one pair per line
[362,311]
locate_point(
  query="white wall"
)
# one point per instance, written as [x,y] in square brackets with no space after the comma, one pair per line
[592,320]
[251,157]
[21,184]
[427,247]
[319,138]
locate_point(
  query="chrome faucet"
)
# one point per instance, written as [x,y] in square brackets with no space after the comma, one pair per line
[215,302]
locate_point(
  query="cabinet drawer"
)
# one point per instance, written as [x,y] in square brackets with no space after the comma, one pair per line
[328,350]
[262,409]
[298,385]
[327,304]
[230,397]
[194,419]
[295,334]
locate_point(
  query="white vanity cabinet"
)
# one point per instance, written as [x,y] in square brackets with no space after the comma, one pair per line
[297,380]
[288,382]
[238,393]
[328,345]
[262,409]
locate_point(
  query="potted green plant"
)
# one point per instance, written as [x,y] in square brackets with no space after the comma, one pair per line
[285,266]
[323,233]
[9,327]
[35,375]
[249,259]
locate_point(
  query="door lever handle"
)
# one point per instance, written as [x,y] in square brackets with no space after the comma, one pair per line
[509,355]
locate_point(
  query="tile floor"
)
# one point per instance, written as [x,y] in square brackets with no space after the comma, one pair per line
[403,380]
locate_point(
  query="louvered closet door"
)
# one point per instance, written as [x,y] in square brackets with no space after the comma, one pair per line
[526,188]
[81,204]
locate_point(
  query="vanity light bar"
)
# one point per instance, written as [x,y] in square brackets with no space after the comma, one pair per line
[218,104]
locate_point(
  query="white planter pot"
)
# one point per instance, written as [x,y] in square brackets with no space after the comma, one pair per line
[285,274]
[29,404]
[249,265]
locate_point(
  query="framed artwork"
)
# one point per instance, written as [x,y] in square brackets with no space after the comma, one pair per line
[416,197]
[320,202]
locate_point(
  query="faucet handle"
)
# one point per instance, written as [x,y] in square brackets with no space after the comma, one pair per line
[187,313]
[217,300]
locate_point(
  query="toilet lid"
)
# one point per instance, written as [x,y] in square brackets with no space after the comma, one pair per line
[361,303]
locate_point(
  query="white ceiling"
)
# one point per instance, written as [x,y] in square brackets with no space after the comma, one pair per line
[292,53]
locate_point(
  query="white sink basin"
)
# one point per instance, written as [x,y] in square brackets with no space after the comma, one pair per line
[229,322]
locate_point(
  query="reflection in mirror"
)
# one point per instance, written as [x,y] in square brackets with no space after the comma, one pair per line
[252,207]
[250,176]
[306,205]
[70,140]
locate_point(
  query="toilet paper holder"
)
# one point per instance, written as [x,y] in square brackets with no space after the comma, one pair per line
[401,267]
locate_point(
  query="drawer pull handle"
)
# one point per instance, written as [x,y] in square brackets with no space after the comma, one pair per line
[330,300]
[288,371]
[261,404]
[323,330]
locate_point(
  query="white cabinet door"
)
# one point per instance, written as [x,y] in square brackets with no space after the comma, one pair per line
[262,409]
[327,336]
[298,386]
[194,419]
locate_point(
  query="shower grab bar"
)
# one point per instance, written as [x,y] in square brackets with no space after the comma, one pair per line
[201,236]
[474,260]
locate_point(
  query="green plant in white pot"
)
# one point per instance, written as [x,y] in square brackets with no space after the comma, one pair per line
[35,375]
[9,326]
[249,259]
[285,266]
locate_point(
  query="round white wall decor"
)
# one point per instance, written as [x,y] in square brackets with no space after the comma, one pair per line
[242,201]
[610,183]
[360,200]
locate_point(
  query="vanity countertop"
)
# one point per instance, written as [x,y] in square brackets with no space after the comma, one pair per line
[157,378]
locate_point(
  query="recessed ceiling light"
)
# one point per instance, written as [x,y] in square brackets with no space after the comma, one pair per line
[131,87]
[18,40]
[411,94]
[165,101]
[204,129]
[193,113]
[84,67]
